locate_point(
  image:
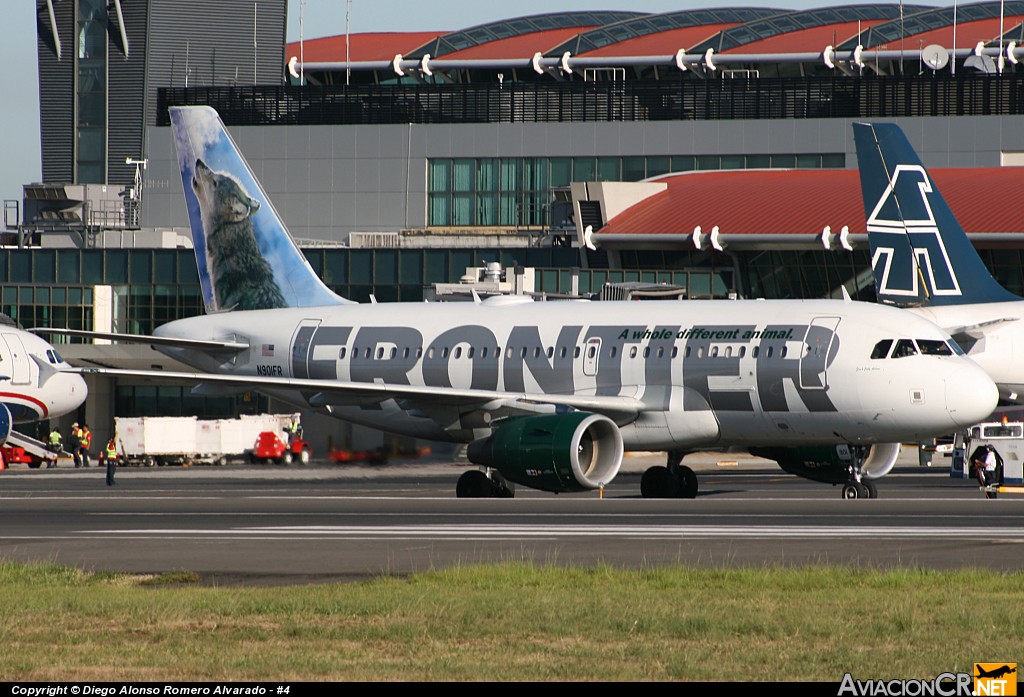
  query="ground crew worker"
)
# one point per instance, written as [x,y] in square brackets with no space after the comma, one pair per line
[109,456]
[53,445]
[992,466]
[294,430]
[84,443]
[74,440]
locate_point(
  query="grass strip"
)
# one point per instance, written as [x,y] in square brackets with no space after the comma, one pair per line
[513,621]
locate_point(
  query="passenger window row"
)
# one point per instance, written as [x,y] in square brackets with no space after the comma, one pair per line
[380,353]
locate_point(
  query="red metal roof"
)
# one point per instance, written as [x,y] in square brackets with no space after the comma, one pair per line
[806,200]
[365,47]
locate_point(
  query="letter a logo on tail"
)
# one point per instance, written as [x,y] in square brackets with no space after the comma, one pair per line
[919,252]
[906,244]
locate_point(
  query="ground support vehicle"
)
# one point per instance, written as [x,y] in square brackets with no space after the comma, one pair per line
[270,447]
[1007,438]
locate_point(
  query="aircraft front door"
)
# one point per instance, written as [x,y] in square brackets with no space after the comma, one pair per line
[820,337]
[20,369]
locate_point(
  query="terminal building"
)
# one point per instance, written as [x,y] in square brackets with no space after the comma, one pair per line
[707,149]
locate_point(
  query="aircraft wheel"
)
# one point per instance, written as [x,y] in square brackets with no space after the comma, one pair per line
[851,491]
[474,484]
[686,481]
[871,489]
[658,483]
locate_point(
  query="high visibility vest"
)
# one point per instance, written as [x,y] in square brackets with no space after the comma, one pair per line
[111,452]
[55,438]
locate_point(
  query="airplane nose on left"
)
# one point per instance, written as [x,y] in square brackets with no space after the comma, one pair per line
[971,396]
[69,393]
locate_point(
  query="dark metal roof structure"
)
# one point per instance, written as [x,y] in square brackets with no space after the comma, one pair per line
[803,202]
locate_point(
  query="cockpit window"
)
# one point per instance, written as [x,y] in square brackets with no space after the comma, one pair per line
[881,349]
[904,348]
[955,348]
[934,347]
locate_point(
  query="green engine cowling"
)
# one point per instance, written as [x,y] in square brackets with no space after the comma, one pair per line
[577,451]
[831,463]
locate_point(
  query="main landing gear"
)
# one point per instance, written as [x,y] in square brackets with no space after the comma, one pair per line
[673,481]
[480,484]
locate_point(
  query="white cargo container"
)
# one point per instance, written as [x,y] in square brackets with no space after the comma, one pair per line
[184,440]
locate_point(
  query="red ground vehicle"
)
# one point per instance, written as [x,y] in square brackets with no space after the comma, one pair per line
[14,454]
[270,448]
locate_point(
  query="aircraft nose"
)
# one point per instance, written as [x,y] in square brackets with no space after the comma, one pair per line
[71,392]
[971,396]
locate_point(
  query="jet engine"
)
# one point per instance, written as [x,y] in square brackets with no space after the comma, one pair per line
[832,464]
[576,451]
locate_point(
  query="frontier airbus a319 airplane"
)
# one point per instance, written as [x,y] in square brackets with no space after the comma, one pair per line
[550,394]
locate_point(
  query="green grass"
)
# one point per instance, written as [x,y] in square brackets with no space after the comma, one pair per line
[515,621]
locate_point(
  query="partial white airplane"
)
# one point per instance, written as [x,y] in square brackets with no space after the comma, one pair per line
[35,382]
[550,395]
[923,260]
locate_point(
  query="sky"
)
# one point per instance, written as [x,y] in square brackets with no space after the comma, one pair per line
[19,108]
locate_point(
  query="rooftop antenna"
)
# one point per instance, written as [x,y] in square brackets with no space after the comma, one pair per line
[1001,30]
[954,37]
[348,64]
[255,79]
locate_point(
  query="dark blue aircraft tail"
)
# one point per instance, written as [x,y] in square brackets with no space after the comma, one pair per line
[919,253]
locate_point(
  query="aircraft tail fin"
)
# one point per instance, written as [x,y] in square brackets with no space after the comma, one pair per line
[247,258]
[919,252]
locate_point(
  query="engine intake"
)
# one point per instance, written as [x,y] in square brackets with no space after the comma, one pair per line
[577,451]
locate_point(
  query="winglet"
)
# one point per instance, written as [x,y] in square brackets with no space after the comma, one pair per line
[247,259]
[919,252]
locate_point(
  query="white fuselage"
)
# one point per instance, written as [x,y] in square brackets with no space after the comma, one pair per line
[994,339]
[699,373]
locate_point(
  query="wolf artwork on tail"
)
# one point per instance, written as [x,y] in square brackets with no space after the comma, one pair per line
[241,278]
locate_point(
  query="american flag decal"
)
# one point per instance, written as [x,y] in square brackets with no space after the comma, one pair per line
[268,349]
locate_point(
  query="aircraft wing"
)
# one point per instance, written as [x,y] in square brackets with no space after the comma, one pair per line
[195,344]
[335,392]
